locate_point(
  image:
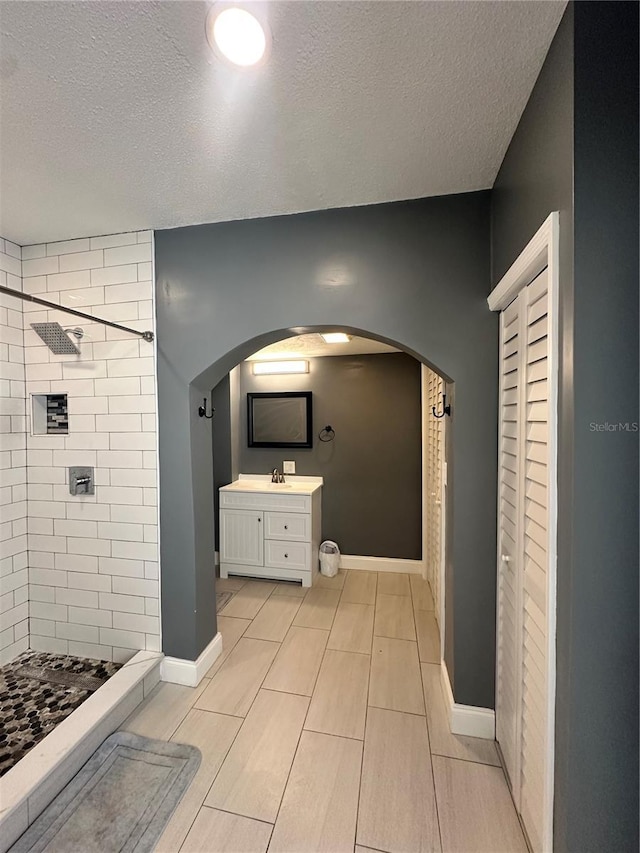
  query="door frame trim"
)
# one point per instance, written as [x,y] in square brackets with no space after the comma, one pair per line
[543,251]
[540,252]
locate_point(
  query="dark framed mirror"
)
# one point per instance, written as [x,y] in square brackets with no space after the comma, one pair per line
[280,419]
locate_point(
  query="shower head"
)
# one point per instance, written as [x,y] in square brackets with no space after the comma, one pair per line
[56,338]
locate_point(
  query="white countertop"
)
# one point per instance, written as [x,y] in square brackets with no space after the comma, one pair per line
[293,485]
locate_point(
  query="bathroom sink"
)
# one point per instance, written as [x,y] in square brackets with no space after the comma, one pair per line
[262,483]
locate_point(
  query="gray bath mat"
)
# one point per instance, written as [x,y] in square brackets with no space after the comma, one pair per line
[119,802]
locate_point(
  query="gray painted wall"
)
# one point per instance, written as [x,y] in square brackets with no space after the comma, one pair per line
[601,759]
[536,176]
[371,500]
[415,273]
[582,120]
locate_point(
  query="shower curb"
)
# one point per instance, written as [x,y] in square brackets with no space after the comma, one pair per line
[28,788]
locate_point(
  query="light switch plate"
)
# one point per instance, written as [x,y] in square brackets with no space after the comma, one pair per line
[288,467]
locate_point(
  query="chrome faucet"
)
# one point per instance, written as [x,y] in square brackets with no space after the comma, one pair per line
[276,476]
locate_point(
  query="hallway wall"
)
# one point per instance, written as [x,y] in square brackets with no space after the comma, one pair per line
[371,499]
[414,272]
[576,151]
[14,589]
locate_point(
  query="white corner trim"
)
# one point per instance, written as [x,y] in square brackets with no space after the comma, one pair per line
[535,257]
[191,672]
[381,564]
[467,720]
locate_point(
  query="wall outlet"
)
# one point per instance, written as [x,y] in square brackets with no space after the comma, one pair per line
[288,467]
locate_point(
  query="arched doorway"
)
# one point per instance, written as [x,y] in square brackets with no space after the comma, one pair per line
[414,274]
[379,465]
[201,434]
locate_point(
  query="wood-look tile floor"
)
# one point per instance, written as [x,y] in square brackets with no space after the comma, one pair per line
[323,727]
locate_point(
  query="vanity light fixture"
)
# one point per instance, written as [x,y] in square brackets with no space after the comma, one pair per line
[237,35]
[267,368]
[335,337]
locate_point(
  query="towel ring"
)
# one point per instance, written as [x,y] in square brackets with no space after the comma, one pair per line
[327,433]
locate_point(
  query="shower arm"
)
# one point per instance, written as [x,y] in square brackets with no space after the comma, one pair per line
[147,336]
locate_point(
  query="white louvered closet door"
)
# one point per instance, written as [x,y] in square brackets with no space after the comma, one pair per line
[524,721]
[536,744]
[510,453]
[435,461]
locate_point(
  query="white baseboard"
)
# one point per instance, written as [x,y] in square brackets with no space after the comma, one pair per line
[381,564]
[191,672]
[467,719]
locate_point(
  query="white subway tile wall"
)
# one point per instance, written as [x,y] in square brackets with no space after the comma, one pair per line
[14,575]
[93,566]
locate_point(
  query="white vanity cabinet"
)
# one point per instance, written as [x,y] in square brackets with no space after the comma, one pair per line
[271,530]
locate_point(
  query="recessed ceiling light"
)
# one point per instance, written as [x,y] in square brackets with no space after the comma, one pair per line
[237,35]
[335,337]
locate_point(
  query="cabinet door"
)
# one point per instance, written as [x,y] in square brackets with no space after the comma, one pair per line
[537,570]
[526,572]
[241,537]
[434,451]
[509,662]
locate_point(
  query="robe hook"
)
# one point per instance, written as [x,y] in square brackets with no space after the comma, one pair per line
[202,410]
[446,409]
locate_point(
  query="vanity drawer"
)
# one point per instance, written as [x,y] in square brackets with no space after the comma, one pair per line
[287,555]
[291,527]
[275,501]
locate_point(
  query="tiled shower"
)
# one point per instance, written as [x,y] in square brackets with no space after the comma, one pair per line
[79,573]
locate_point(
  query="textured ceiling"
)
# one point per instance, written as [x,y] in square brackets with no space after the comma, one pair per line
[117,116]
[313,346]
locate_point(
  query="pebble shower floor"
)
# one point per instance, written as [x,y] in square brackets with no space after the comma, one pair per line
[37,691]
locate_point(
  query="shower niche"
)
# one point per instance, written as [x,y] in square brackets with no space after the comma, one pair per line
[49,414]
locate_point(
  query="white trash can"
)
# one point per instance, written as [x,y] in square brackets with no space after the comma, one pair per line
[329,558]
